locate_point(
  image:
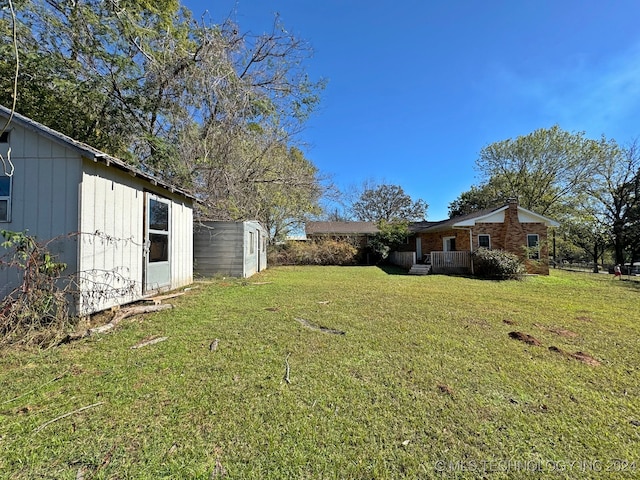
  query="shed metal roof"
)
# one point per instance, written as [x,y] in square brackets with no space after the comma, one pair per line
[91,153]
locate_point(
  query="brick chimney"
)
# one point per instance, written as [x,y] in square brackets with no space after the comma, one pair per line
[515,238]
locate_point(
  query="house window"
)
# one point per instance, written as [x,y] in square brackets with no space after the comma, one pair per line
[5,198]
[533,246]
[484,241]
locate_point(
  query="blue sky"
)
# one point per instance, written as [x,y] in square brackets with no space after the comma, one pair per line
[416,88]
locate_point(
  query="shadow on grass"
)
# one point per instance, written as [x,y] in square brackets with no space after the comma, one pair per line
[393,269]
[631,283]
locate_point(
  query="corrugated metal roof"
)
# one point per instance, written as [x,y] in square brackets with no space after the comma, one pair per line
[91,153]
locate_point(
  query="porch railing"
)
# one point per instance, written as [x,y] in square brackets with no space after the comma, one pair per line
[451,262]
[403,259]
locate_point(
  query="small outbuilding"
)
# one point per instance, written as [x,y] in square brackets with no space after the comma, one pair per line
[122,233]
[234,249]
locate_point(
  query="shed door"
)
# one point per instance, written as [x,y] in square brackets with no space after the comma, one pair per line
[157,242]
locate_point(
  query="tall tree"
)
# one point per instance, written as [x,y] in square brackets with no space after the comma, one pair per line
[587,230]
[389,203]
[542,169]
[201,104]
[486,195]
[615,190]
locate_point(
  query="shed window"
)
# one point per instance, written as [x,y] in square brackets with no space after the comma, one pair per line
[533,246]
[5,198]
[252,247]
[158,215]
[158,230]
[159,247]
[484,241]
[4,137]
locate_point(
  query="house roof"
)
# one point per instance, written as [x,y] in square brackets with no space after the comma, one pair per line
[489,215]
[340,228]
[91,153]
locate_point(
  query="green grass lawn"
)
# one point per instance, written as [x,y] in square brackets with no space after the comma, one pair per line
[426,382]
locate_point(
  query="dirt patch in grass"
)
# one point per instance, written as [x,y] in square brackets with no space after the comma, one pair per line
[320,328]
[445,389]
[582,318]
[526,338]
[580,356]
[508,321]
[558,331]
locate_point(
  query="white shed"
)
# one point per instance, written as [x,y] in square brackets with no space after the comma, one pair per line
[235,249]
[122,233]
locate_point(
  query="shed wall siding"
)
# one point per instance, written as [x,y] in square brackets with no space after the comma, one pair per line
[218,249]
[112,240]
[111,243]
[253,257]
[44,198]
[223,248]
[182,242]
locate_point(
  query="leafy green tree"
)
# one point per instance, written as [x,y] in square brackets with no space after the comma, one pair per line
[203,105]
[632,234]
[543,169]
[487,195]
[589,233]
[614,190]
[391,234]
[389,203]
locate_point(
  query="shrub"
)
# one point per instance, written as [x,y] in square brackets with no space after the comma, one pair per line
[322,252]
[497,264]
[36,312]
[390,235]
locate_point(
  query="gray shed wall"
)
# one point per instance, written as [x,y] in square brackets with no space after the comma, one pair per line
[224,248]
[98,213]
[44,197]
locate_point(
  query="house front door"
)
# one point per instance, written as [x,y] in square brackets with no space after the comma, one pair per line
[157,259]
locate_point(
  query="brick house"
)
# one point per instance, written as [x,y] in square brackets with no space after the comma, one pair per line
[447,245]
